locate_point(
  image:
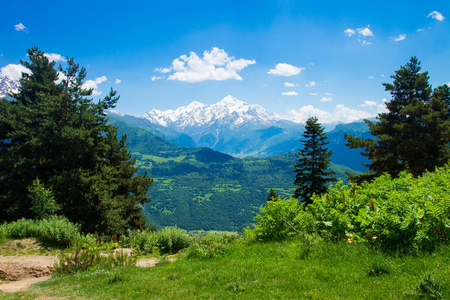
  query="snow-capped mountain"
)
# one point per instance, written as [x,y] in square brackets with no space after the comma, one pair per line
[8,85]
[230,112]
[230,126]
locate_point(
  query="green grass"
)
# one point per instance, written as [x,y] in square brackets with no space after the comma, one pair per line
[262,271]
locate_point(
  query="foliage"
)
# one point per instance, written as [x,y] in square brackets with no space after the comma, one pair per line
[414,134]
[403,214]
[210,246]
[312,176]
[51,130]
[168,240]
[43,203]
[275,220]
[78,259]
[429,286]
[272,196]
[54,231]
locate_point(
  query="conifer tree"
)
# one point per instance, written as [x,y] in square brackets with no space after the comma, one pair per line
[272,196]
[53,132]
[414,134]
[312,174]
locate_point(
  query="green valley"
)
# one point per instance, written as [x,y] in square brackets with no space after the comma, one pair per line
[202,189]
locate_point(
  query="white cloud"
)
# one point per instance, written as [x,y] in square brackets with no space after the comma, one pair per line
[401,37]
[369,103]
[153,78]
[314,94]
[371,77]
[365,31]
[14,71]
[289,84]
[163,70]
[312,83]
[436,15]
[290,93]
[93,84]
[118,81]
[283,69]
[325,99]
[328,94]
[339,114]
[349,32]
[20,27]
[382,75]
[215,65]
[54,57]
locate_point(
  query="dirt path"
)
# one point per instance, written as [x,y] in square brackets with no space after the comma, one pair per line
[22,271]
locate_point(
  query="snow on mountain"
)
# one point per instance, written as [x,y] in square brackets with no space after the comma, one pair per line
[8,85]
[230,112]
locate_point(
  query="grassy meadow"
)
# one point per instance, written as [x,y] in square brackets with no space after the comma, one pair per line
[273,270]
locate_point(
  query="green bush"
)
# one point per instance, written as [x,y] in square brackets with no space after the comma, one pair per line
[168,240]
[22,229]
[54,231]
[57,231]
[171,240]
[43,203]
[276,220]
[402,215]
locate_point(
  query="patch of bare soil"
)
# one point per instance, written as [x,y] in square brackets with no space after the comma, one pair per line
[17,272]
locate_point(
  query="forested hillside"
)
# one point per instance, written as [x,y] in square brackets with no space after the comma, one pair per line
[198,188]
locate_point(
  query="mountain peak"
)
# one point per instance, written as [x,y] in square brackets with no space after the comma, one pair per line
[231,100]
[229,112]
[8,85]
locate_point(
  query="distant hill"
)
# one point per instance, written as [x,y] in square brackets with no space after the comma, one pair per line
[199,188]
[236,128]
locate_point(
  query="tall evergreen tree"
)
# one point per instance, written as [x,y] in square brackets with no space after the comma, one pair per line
[312,174]
[52,131]
[414,134]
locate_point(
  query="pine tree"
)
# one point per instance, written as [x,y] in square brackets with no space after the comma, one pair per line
[414,134]
[53,132]
[312,174]
[272,196]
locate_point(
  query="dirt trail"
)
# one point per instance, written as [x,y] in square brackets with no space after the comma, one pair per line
[22,271]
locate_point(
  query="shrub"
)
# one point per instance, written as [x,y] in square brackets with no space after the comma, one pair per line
[168,240]
[57,231]
[401,215]
[171,240]
[54,231]
[276,220]
[43,203]
[22,229]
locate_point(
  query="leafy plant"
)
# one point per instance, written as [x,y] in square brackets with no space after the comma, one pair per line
[272,221]
[78,259]
[43,203]
[429,286]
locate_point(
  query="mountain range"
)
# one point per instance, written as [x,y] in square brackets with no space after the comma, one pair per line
[236,128]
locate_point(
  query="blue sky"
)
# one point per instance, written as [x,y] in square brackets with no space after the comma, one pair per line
[294,58]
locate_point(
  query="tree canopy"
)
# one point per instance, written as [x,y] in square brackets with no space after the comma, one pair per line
[312,174]
[413,134]
[52,131]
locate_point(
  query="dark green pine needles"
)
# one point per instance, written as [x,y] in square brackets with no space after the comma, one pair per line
[52,131]
[312,174]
